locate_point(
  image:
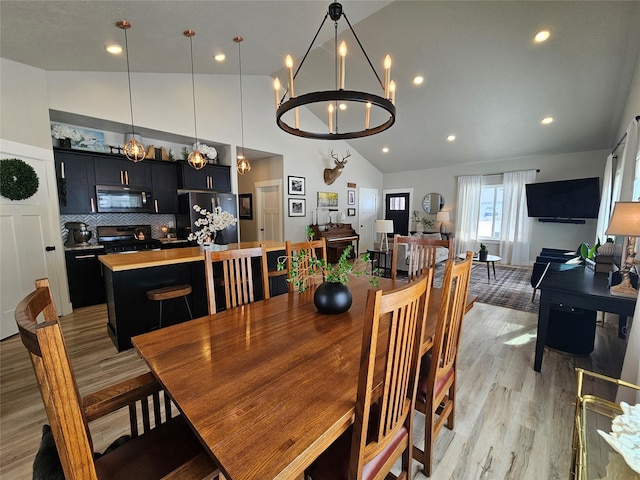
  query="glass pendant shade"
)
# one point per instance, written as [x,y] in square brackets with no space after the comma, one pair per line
[134,150]
[243,165]
[196,159]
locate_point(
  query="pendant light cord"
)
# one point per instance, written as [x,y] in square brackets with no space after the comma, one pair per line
[126,46]
[193,94]
[241,102]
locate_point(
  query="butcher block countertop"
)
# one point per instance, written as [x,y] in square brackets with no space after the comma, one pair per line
[157,258]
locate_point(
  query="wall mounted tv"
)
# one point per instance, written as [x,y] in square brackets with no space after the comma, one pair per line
[565,201]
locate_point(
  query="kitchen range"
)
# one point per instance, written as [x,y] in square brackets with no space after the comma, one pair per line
[84,270]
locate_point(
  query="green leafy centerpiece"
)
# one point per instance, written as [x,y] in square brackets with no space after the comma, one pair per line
[333,295]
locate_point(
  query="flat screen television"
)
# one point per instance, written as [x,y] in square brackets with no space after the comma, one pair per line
[565,199]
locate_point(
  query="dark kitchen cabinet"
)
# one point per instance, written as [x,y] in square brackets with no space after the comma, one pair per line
[216,178]
[85,277]
[120,171]
[76,180]
[164,178]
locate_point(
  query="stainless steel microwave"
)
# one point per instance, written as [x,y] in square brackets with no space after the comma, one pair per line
[123,199]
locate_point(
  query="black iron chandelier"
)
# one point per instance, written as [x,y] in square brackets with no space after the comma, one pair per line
[337,99]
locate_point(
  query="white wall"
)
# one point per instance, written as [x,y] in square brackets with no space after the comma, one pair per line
[632,108]
[163,102]
[552,167]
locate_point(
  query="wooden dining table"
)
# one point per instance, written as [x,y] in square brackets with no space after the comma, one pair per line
[270,385]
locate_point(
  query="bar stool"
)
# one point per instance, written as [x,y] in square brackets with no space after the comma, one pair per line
[167,293]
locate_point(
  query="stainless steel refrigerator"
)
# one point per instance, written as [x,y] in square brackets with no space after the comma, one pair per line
[187,216]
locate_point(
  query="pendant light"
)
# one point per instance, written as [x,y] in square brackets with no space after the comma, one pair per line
[196,158]
[243,165]
[133,149]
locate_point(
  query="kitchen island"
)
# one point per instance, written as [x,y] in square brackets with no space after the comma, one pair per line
[129,276]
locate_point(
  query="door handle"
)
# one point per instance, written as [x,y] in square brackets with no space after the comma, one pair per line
[50,248]
[156,205]
[121,177]
[126,177]
[93,205]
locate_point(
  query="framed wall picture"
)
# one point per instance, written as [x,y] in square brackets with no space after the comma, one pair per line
[245,201]
[351,197]
[297,207]
[351,212]
[327,199]
[297,186]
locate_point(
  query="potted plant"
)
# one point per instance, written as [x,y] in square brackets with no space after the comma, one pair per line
[426,223]
[65,135]
[333,295]
[483,252]
[416,220]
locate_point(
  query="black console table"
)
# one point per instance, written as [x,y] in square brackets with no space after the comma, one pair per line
[576,286]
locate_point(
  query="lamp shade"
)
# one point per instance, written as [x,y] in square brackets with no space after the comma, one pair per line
[384,226]
[442,217]
[625,219]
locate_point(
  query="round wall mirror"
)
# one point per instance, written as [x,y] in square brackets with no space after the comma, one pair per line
[433,203]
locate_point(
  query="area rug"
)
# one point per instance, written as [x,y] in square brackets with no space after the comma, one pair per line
[510,289]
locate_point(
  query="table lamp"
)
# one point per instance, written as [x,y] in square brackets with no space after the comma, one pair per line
[443,218]
[625,220]
[384,227]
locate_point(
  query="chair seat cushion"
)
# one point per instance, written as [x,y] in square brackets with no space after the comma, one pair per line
[152,455]
[333,463]
[423,379]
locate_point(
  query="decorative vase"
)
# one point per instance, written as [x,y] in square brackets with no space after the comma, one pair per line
[332,298]
[219,239]
[482,255]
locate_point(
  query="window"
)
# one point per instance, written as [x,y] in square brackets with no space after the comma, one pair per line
[397,203]
[490,212]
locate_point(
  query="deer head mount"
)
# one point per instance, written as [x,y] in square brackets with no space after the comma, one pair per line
[330,174]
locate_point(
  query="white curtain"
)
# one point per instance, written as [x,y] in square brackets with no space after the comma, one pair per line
[516,224]
[468,213]
[604,214]
[627,163]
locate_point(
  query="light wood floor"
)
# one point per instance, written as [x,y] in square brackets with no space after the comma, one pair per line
[511,422]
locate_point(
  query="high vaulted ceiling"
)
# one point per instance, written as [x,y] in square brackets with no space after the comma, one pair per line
[486,81]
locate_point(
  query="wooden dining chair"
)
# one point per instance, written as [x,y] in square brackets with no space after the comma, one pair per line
[237,278]
[159,445]
[383,425]
[309,249]
[438,372]
[420,253]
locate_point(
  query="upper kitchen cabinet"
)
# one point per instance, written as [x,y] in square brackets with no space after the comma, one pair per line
[120,171]
[216,178]
[76,182]
[164,177]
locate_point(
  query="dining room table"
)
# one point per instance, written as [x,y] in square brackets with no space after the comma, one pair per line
[268,386]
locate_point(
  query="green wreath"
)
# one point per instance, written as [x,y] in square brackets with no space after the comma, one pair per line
[18,180]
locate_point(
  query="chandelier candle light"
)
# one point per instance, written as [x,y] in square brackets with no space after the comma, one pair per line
[133,149]
[625,220]
[340,97]
[243,165]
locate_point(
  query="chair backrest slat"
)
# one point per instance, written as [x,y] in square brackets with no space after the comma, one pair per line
[420,253]
[237,275]
[402,313]
[56,382]
[312,249]
[454,293]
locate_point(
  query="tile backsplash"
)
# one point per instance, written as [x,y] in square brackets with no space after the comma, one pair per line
[99,219]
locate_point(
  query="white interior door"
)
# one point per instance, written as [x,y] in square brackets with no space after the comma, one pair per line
[368,205]
[269,210]
[30,240]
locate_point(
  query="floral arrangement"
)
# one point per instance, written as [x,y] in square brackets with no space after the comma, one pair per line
[426,222]
[65,131]
[209,152]
[211,223]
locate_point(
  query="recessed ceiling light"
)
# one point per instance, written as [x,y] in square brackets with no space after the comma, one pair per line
[546,120]
[541,36]
[385,149]
[342,106]
[219,57]
[451,138]
[418,79]
[113,48]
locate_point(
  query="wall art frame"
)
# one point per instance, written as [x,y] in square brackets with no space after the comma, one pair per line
[245,204]
[297,185]
[297,207]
